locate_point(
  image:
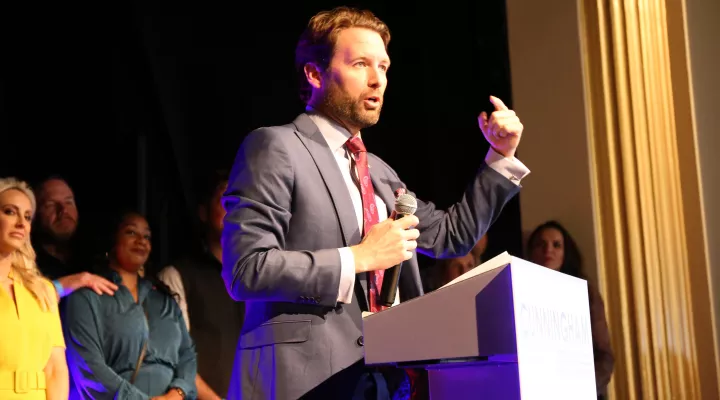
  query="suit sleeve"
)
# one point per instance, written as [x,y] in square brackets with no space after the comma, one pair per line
[453,233]
[258,202]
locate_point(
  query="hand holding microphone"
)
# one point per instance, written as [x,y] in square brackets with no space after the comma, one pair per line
[405,205]
[390,242]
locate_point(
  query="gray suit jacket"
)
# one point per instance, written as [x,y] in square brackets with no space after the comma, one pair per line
[288,211]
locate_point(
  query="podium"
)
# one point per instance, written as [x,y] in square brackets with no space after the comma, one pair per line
[508,329]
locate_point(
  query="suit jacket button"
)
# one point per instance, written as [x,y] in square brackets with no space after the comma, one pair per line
[360,341]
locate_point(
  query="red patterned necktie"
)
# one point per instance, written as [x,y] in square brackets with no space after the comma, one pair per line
[370,214]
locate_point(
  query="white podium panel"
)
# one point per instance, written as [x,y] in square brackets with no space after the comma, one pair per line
[508,329]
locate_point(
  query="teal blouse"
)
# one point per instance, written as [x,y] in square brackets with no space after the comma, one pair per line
[105,334]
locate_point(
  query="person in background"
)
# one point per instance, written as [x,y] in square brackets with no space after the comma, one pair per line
[443,271]
[134,345]
[216,318]
[551,246]
[32,348]
[55,240]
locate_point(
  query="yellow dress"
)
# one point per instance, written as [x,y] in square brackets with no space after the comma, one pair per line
[27,336]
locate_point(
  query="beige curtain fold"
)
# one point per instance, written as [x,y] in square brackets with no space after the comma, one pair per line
[640,207]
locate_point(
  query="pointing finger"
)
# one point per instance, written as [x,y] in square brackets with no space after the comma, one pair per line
[499,105]
[504,114]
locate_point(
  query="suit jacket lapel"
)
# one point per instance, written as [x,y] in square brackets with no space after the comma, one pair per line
[326,164]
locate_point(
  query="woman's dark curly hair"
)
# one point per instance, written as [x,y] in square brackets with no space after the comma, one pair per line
[572,261]
[109,239]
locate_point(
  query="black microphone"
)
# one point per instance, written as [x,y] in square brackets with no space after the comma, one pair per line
[405,204]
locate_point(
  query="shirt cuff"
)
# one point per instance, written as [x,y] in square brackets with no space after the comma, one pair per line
[347,275]
[510,168]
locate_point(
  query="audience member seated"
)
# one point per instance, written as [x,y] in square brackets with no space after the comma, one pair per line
[134,345]
[32,349]
[551,246]
[56,226]
[216,318]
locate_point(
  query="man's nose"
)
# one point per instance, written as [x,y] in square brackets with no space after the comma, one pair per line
[376,78]
[60,209]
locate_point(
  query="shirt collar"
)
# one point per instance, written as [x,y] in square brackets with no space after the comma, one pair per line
[144,286]
[335,134]
[113,276]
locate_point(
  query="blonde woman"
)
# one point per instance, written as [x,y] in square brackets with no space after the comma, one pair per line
[32,349]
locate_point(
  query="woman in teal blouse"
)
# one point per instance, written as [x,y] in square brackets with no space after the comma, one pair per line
[107,334]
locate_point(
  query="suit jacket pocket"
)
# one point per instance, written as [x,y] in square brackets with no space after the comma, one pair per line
[276,332]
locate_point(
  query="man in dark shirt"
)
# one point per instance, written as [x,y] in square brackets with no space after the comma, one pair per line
[56,222]
[213,318]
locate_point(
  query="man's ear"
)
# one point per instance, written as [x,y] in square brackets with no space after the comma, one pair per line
[313,74]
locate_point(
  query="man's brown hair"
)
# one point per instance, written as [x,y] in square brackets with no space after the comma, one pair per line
[317,43]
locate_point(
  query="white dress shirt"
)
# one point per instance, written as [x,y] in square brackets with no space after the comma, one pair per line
[335,135]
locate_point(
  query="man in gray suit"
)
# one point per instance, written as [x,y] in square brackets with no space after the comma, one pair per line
[309,226]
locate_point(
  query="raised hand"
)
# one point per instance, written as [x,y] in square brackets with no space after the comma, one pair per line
[503,129]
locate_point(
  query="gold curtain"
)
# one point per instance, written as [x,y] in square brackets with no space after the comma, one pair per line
[640,209]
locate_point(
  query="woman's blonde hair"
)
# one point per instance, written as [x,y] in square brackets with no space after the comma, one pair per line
[22,260]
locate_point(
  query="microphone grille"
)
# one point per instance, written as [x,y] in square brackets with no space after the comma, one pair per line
[405,204]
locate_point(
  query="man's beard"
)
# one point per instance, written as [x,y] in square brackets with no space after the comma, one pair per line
[351,111]
[57,236]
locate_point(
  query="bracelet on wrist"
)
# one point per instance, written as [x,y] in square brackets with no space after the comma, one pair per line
[180,392]
[59,288]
